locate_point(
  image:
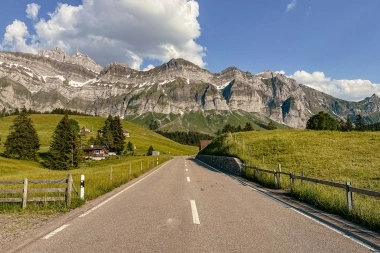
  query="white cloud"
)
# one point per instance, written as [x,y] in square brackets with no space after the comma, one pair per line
[150,66]
[16,35]
[32,11]
[291,5]
[351,90]
[119,30]
[282,72]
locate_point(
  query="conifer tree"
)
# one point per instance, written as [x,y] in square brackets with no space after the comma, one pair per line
[65,151]
[22,142]
[117,135]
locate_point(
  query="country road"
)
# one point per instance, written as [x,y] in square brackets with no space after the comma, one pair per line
[184,206]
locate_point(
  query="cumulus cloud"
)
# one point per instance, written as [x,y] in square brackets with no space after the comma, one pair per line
[282,72]
[16,35]
[291,5]
[32,11]
[118,30]
[150,66]
[351,90]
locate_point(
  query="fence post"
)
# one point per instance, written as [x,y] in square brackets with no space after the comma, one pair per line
[291,182]
[25,194]
[82,187]
[279,174]
[69,189]
[349,196]
[275,178]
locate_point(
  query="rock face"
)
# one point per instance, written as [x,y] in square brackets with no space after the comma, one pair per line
[52,79]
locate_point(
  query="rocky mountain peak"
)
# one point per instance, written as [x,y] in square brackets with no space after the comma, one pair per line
[78,58]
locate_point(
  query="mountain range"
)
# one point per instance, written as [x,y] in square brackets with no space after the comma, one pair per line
[178,95]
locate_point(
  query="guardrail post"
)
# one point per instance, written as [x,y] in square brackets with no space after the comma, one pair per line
[69,189]
[291,182]
[25,194]
[349,196]
[279,174]
[82,187]
[275,178]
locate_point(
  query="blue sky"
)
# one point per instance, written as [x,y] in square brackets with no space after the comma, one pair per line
[331,46]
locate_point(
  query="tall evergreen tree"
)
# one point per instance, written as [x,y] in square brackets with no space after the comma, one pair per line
[107,137]
[117,135]
[248,127]
[65,149]
[359,123]
[22,142]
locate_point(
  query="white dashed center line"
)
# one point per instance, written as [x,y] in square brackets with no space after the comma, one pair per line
[194,212]
[188,179]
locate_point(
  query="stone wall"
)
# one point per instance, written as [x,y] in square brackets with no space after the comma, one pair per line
[226,164]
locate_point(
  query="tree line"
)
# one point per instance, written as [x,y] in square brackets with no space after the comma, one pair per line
[63,111]
[65,150]
[187,138]
[228,128]
[324,121]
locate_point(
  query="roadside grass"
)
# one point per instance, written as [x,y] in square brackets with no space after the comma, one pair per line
[335,156]
[99,179]
[97,173]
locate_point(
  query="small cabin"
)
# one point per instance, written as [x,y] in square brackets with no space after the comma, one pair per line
[126,132]
[95,152]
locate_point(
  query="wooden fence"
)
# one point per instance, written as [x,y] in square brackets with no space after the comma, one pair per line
[27,190]
[347,186]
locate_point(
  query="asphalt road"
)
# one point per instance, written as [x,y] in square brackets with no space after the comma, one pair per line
[184,206]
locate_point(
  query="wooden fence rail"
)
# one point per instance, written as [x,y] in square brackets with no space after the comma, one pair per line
[27,190]
[347,186]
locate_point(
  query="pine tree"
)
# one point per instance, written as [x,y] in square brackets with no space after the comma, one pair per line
[359,123]
[248,127]
[22,142]
[65,151]
[107,137]
[117,135]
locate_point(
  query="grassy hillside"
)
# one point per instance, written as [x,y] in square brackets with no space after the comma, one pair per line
[203,121]
[97,173]
[45,125]
[335,156]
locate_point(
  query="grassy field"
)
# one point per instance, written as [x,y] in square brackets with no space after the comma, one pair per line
[336,156]
[45,125]
[97,173]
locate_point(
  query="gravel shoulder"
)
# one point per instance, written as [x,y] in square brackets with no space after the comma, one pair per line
[13,226]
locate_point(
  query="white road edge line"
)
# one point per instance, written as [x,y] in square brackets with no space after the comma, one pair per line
[188,179]
[55,232]
[114,196]
[186,170]
[194,212]
[325,225]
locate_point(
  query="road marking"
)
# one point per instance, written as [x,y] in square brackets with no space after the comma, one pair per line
[55,232]
[188,179]
[194,212]
[186,170]
[114,196]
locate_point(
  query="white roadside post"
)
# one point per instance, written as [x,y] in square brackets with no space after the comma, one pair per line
[82,186]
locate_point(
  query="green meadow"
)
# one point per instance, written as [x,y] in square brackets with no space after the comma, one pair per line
[335,156]
[98,176]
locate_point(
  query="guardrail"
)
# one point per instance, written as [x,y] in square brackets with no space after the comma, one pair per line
[347,186]
[27,190]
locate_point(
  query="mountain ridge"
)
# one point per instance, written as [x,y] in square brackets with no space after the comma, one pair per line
[52,79]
